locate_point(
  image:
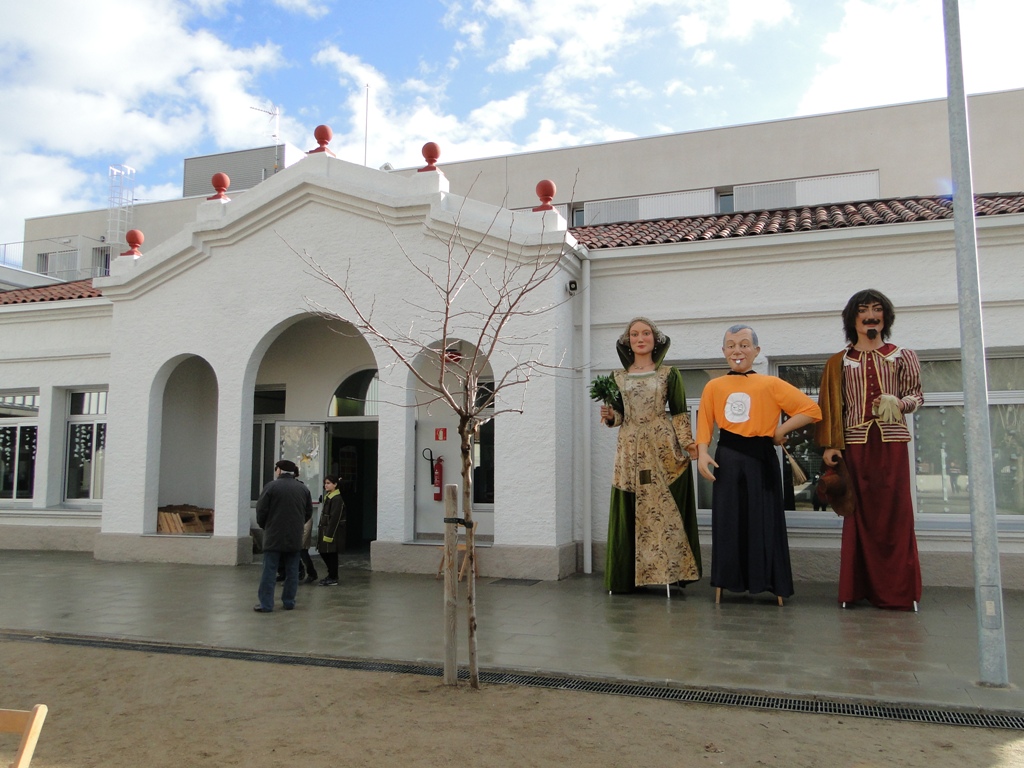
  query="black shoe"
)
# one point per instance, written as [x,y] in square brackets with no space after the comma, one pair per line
[260,609]
[328,582]
[310,578]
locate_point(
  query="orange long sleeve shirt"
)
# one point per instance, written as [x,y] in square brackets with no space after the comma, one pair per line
[749,405]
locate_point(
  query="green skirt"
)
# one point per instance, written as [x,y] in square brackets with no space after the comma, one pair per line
[620,559]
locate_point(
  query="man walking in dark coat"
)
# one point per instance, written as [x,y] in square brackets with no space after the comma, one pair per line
[282,511]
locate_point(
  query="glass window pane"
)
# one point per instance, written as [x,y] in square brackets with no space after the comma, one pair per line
[483,469]
[941,376]
[8,458]
[940,460]
[268,402]
[88,403]
[357,395]
[268,454]
[19,406]
[941,463]
[26,473]
[254,465]
[79,464]
[1004,374]
[1008,457]
[694,380]
[99,456]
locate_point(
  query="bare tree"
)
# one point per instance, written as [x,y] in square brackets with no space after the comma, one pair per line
[476,291]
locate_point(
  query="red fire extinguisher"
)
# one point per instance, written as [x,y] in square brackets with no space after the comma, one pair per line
[438,478]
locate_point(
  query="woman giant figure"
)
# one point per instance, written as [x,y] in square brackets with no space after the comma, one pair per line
[652,524]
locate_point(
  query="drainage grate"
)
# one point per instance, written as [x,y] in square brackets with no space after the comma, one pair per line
[640,690]
[515,582]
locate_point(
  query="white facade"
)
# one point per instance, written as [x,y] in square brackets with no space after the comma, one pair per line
[219,313]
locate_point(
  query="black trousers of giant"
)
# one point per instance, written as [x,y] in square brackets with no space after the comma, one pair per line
[749,545]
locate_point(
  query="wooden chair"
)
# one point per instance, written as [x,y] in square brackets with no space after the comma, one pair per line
[28,724]
[462,568]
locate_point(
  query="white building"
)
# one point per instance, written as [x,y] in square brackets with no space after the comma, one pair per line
[211,358]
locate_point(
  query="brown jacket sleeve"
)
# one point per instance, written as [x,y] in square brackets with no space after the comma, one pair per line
[830,399]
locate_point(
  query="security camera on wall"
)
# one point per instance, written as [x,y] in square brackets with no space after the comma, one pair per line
[571,287]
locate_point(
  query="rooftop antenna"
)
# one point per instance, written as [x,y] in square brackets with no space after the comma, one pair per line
[275,115]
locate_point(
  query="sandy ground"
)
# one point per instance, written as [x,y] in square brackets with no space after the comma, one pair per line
[135,709]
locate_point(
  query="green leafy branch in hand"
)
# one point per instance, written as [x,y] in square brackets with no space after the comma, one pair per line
[604,390]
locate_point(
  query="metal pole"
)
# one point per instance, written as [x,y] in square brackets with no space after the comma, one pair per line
[588,516]
[984,532]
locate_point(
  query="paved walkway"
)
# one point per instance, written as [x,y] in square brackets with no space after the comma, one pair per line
[809,648]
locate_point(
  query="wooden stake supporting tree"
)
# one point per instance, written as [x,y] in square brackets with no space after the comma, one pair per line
[483,290]
[451,583]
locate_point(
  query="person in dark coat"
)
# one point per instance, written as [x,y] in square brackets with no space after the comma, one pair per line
[330,539]
[283,508]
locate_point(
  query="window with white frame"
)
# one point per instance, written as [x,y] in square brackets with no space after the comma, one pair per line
[938,447]
[86,445]
[18,429]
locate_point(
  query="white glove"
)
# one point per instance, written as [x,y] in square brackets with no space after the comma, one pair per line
[887,408]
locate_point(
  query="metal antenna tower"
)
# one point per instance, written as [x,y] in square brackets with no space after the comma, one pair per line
[275,115]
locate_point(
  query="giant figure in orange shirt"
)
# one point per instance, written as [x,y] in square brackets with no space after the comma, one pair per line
[749,546]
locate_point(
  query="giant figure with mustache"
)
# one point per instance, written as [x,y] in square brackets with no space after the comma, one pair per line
[865,393]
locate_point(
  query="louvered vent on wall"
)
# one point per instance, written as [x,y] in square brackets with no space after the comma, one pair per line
[697,202]
[815,191]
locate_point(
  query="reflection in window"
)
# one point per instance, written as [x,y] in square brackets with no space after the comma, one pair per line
[801,443]
[357,395]
[267,402]
[17,461]
[483,464]
[942,478]
[88,403]
[87,444]
[1004,374]
[19,406]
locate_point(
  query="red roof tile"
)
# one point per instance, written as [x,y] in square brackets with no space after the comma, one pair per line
[811,218]
[77,289]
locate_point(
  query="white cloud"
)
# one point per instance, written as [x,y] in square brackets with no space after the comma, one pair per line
[523,52]
[673,87]
[893,51]
[703,57]
[36,184]
[706,21]
[632,90]
[306,7]
[86,84]
[882,53]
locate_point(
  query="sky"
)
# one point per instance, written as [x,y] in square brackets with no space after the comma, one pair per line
[147,83]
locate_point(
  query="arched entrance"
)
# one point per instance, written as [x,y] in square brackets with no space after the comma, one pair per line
[315,404]
[188,447]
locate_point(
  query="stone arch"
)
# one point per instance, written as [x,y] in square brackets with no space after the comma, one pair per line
[303,361]
[188,406]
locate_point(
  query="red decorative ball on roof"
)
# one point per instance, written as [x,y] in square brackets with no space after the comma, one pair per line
[134,238]
[546,192]
[323,135]
[431,151]
[221,182]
